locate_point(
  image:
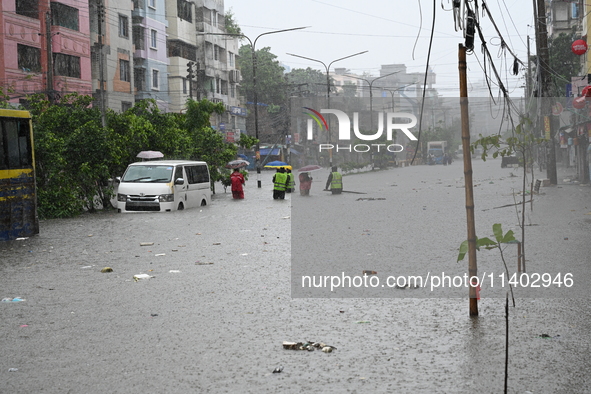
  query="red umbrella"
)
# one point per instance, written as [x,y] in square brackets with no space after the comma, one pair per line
[308,168]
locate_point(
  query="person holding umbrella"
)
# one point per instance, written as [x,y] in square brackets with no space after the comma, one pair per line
[237,179]
[305,183]
[279,184]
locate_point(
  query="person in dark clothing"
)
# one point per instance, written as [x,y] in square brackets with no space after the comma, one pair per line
[335,181]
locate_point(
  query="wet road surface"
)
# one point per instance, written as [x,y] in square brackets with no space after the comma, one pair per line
[219,305]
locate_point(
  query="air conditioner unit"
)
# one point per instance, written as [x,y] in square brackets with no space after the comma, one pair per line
[238,76]
[232,76]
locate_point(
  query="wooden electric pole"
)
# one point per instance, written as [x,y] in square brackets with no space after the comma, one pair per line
[465,116]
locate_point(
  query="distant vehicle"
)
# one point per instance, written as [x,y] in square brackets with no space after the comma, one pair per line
[164,185]
[437,149]
[509,161]
[18,190]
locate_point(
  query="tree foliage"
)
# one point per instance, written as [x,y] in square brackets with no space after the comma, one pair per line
[313,82]
[563,62]
[269,76]
[230,23]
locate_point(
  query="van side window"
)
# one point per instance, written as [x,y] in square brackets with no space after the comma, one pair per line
[178,173]
[197,174]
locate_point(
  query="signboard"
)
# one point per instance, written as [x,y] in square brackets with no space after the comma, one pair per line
[230,136]
[236,135]
[238,111]
[547,126]
[222,126]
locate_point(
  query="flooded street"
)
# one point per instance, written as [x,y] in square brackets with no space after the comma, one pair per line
[226,292]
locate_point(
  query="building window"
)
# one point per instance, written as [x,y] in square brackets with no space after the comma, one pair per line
[139,79]
[184,10]
[66,65]
[123,26]
[155,79]
[216,52]
[124,72]
[232,90]
[152,3]
[28,8]
[214,18]
[181,49]
[138,37]
[125,105]
[65,16]
[185,82]
[574,10]
[29,58]
[153,39]
[231,59]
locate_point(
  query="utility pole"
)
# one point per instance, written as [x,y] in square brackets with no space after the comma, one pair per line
[545,84]
[472,266]
[48,38]
[528,79]
[102,80]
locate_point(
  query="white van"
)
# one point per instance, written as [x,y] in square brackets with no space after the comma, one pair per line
[164,185]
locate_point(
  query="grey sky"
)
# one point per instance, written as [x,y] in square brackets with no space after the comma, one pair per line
[388,30]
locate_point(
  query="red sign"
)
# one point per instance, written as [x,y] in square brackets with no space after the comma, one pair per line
[579,47]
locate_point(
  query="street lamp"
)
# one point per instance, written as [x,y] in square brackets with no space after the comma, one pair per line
[328,85]
[254,86]
[370,83]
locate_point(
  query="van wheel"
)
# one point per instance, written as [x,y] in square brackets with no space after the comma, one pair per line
[181,206]
[203,203]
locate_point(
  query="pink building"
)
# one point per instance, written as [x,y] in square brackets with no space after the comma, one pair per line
[33,28]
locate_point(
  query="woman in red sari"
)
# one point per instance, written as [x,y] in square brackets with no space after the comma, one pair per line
[237,180]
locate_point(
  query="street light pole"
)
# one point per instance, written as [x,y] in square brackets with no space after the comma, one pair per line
[254,86]
[327,68]
[370,83]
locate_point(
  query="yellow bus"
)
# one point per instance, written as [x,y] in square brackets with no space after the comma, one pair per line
[18,191]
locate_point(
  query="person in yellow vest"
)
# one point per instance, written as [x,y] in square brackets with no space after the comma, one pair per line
[290,182]
[335,181]
[279,184]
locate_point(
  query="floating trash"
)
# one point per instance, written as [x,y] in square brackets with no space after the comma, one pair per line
[175,271]
[160,254]
[369,272]
[146,243]
[327,349]
[15,299]
[107,269]
[142,276]
[12,369]
[278,369]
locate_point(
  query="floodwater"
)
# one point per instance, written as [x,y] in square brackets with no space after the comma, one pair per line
[223,296]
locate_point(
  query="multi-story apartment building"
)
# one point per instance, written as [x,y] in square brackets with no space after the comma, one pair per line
[122,52]
[44,48]
[112,54]
[201,64]
[150,58]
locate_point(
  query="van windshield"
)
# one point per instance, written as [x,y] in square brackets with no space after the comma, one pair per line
[148,173]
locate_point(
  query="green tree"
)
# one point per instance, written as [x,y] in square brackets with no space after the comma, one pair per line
[231,23]
[314,80]
[270,81]
[564,64]
[209,144]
